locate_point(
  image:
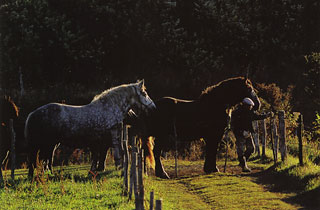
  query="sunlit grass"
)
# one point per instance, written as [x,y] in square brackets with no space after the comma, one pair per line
[215,191]
[68,189]
[308,175]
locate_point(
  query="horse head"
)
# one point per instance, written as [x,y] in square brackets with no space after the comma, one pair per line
[141,101]
[249,91]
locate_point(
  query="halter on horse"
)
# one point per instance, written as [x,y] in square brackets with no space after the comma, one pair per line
[86,125]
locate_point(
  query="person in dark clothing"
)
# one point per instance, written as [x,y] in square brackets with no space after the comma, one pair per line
[241,123]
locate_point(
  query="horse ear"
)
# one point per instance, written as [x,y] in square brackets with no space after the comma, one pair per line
[248,82]
[246,77]
[141,83]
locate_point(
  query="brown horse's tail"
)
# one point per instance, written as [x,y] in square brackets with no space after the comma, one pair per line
[149,152]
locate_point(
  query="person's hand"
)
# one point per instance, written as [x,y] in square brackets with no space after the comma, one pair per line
[270,114]
[246,134]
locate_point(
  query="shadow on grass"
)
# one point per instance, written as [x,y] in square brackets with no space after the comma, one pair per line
[284,183]
[309,200]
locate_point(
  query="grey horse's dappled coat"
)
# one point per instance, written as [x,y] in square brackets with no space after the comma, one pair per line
[82,125]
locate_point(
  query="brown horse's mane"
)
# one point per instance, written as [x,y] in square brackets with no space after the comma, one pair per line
[213,87]
[212,90]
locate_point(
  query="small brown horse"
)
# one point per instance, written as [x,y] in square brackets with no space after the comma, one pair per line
[8,110]
[205,117]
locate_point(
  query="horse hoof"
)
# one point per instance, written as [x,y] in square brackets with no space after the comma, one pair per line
[100,169]
[211,170]
[163,175]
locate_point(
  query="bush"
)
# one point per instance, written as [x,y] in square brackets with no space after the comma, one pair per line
[274,97]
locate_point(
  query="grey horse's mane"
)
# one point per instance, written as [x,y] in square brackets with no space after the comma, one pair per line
[113,93]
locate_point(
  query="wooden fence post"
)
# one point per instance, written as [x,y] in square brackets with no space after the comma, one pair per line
[176,148]
[151,200]
[126,159]
[226,137]
[276,139]
[176,158]
[264,137]
[132,168]
[159,204]
[135,180]
[13,149]
[271,138]
[256,137]
[140,179]
[300,136]
[282,135]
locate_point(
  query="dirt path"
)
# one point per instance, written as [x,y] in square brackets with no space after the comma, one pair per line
[232,190]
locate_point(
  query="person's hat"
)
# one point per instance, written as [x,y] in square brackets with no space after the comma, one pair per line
[248,101]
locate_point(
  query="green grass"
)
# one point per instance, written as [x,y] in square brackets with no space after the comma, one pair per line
[284,186]
[305,180]
[216,191]
[307,176]
[66,190]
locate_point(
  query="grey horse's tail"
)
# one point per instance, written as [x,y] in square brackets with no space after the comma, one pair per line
[149,152]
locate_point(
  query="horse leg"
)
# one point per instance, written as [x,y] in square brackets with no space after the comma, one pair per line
[94,152]
[159,169]
[210,164]
[4,147]
[32,159]
[106,143]
[51,159]
[50,162]
[48,156]
[116,143]
[2,158]
[102,157]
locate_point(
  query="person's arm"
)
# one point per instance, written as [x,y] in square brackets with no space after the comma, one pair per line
[257,116]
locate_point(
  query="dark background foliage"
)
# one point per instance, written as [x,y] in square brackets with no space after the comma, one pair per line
[69,50]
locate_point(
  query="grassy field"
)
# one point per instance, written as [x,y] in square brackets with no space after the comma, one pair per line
[286,186]
[229,190]
[70,188]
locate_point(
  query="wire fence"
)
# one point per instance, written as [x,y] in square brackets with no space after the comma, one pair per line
[274,130]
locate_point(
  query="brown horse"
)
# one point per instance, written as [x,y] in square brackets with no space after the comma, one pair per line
[204,117]
[8,110]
